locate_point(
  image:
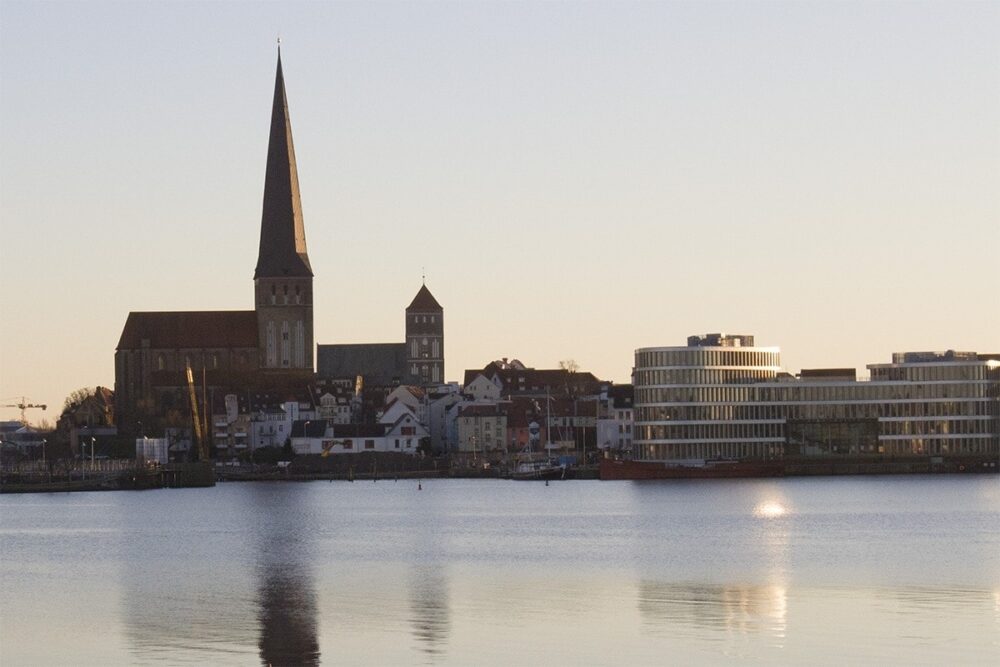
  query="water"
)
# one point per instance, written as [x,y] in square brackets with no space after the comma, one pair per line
[874,570]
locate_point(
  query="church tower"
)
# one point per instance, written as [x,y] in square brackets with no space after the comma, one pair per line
[283,277]
[424,339]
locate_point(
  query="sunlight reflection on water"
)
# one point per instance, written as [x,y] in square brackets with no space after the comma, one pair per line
[769,510]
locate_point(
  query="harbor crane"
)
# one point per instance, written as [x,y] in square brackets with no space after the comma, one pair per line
[24,405]
[199,439]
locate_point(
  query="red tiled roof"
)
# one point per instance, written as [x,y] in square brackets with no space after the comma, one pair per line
[190,329]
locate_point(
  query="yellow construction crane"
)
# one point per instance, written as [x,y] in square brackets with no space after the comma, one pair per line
[24,405]
[202,448]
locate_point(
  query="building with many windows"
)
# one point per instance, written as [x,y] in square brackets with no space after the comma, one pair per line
[721,397]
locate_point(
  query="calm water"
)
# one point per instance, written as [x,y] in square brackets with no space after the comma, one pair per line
[796,571]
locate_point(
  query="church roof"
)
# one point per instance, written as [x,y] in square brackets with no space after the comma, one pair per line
[190,329]
[381,364]
[282,234]
[424,300]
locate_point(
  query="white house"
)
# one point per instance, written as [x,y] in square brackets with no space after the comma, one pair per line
[272,427]
[405,434]
[410,396]
[483,388]
[336,408]
[326,438]
[438,402]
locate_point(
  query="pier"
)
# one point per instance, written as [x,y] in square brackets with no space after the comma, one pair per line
[107,475]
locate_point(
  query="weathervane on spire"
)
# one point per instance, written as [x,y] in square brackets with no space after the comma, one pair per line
[423,276]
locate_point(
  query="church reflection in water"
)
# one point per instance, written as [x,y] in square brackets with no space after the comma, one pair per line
[287,614]
[430,617]
[287,618]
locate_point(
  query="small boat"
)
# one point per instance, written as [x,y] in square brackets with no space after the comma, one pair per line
[540,469]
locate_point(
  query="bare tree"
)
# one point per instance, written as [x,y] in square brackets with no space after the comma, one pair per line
[76,398]
[569,365]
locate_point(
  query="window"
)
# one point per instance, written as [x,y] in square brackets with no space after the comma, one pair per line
[407,430]
[348,444]
[397,443]
[369,444]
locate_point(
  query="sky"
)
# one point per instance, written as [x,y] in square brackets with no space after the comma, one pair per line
[577,180]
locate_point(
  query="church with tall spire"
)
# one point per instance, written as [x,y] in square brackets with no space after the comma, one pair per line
[283,277]
[269,347]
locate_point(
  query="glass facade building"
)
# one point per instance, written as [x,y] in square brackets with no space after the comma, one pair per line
[720,397]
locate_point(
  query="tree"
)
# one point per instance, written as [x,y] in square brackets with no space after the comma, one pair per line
[569,365]
[76,398]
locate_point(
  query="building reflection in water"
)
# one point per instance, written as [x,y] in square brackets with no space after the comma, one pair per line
[430,616]
[718,574]
[428,589]
[730,609]
[286,590]
[287,618]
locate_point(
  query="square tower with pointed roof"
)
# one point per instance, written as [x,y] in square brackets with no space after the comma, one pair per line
[424,339]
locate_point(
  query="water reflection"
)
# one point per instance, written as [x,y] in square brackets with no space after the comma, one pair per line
[287,618]
[669,609]
[769,509]
[286,591]
[179,602]
[430,615]
[428,578]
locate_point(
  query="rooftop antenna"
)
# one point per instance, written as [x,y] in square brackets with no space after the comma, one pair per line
[423,276]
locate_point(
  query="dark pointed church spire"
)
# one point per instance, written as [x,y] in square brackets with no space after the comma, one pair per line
[282,235]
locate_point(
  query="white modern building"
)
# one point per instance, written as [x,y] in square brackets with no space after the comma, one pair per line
[721,397]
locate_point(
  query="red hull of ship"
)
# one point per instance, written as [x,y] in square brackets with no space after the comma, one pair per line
[615,470]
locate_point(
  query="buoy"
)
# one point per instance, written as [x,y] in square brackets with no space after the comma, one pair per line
[546,482]
[419,486]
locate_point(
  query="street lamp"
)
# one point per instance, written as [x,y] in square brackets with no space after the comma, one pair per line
[43,450]
[93,440]
[305,435]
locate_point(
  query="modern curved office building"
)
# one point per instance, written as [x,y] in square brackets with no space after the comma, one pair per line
[696,402]
[721,397]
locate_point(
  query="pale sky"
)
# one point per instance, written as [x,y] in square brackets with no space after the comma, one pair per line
[578,179]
